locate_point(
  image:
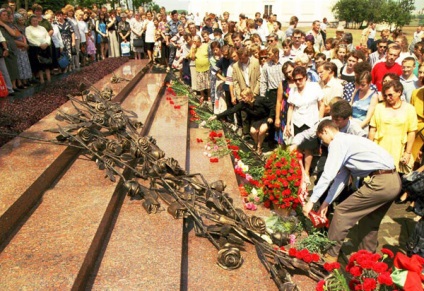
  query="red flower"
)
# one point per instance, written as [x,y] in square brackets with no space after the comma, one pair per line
[385,279]
[387,252]
[356,271]
[308,258]
[331,266]
[315,257]
[369,284]
[177,106]
[171,102]
[353,283]
[292,252]
[380,267]
[320,286]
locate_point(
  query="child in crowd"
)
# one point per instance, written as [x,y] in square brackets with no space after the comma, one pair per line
[328,48]
[215,47]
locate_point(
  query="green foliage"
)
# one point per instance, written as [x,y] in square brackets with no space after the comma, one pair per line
[287,224]
[49,4]
[138,3]
[336,282]
[398,12]
[316,242]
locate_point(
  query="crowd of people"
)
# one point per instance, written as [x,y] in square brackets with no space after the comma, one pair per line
[271,84]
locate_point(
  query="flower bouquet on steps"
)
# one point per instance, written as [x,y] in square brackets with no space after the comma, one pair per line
[282,180]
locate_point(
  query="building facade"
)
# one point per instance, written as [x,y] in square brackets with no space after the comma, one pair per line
[306,10]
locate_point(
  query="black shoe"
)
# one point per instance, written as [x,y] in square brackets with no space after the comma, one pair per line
[409,209]
[399,201]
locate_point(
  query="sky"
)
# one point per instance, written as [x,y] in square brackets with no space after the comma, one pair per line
[183,4]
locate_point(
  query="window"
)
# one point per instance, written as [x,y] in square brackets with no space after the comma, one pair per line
[268,9]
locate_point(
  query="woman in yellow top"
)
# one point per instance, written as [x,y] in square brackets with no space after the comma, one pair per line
[417,100]
[199,53]
[393,126]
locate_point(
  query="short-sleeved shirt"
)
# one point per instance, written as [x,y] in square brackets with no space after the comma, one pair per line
[380,69]
[306,111]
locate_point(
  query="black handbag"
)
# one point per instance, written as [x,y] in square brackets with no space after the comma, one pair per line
[138,42]
[44,60]
[413,183]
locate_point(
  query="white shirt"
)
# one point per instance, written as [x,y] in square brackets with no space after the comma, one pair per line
[333,88]
[306,111]
[2,39]
[245,71]
[150,31]
[56,37]
[37,35]
[83,29]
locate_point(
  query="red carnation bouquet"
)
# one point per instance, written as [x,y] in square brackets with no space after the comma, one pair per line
[366,270]
[282,180]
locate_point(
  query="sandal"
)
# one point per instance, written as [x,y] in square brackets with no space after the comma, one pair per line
[259,151]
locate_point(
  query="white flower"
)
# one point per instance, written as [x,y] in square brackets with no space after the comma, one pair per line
[209,155]
[205,153]
[254,192]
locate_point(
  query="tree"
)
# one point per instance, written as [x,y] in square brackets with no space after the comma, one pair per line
[138,3]
[404,10]
[351,10]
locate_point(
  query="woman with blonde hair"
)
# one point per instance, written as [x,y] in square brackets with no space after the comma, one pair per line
[69,12]
[259,113]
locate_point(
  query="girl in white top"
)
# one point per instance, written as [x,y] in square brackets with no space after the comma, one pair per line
[305,109]
[150,35]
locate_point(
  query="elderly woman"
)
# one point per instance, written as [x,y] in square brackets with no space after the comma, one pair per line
[137,27]
[24,67]
[39,48]
[124,29]
[199,54]
[69,12]
[393,126]
[67,34]
[9,32]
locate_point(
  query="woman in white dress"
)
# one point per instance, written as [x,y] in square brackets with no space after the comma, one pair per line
[150,35]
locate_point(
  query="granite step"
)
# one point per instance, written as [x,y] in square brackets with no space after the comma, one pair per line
[49,249]
[144,251]
[27,166]
[202,255]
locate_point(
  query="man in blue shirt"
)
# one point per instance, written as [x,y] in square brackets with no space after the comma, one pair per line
[173,30]
[350,155]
